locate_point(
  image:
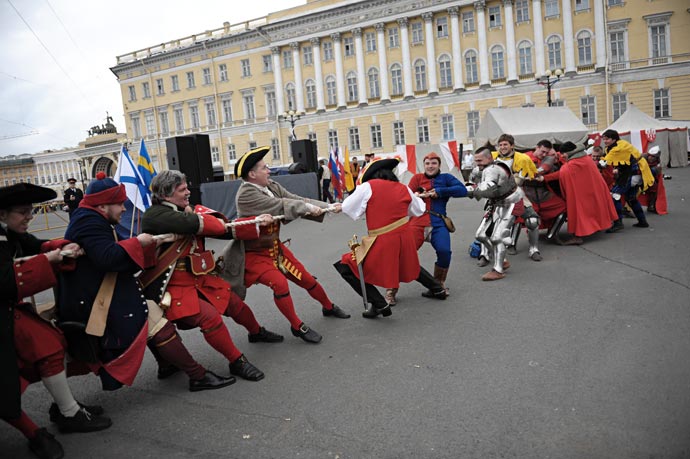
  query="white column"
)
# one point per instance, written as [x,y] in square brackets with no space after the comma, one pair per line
[568,38]
[42,173]
[484,79]
[458,84]
[383,63]
[61,165]
[316,50]
[299,84]
[339,72]
[278,79]
[406,65]
[430,53]
[599,34]
[510,41]
[538,37]
[359,57]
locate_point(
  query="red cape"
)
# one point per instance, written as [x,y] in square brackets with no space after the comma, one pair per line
[589,203]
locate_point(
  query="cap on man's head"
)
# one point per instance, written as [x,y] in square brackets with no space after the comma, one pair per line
[24,193]
[433,155]
[248,160]
[71,180]
[103,192]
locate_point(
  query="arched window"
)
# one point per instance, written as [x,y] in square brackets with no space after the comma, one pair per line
[396,80]
[471,66]
[310,86]
[352,93]
[291,98]
[553,44]
[420,75]
[373,78]
[584,48]
[525,57]
[444,72]
[497,63]
[331,91]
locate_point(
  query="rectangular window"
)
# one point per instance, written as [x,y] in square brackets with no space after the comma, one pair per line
[327,51]
[211,114]
[232,155]
[558,103]
[521,11]
[132,93]
[248,100]
[333,138]
[287,59]
[581,5]
[206,75]
[227,111]
[584,49]
[471,67]
[136,128]
[422,130]
[445,73]
[448,127]
[495,16]
[312,136]
[353,135]
[194,116]
[179,120]
[615,2]
[271,109]
[620,104]
[331,91]
[160,89]
[662,103]
[551,8]
[267,61]
[307,55]
[442,27]
[617,43]
[150,123]
[291,97]
[215,155]
[190,80]
[275,149]
[146,89]
[472,123]
[376,139]
[417,32]
[468,22]
[588,109]
[370,39]
[175,80]
[223,72]
[348,46]
[497,67]
[396,81]
[525,57]
[398,133]
[374,90]
[658,35]
[393,37]
[246,69]
[252,145]
[554,48]
[165,125]
[311,94]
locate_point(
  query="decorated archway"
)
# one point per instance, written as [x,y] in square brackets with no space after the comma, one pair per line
[103,165]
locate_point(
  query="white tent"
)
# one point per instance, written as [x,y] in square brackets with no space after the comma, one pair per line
[530,125]
[643,131]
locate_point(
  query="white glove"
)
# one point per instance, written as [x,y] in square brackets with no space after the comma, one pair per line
[636,180]
[602,163]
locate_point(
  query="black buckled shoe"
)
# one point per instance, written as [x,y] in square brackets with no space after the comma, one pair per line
[375,311]
[54,411]
[307,334]
[438,294]
[210,381]
[336,311]
[265,336]
[245,370]
[83,421]
[45,446]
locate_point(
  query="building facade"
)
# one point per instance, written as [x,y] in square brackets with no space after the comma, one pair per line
[17,169]
[371,75]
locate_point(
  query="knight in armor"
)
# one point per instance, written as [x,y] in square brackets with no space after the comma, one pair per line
[522,169]
[502,193]
[632,175]
[267,260]
[185,281]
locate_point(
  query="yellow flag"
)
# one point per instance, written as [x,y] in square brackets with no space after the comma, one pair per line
[349,180]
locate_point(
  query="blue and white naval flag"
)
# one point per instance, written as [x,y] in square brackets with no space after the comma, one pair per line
[126,173]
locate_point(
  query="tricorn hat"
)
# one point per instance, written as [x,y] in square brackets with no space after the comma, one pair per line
[249,160]
[377,164]
[24,193]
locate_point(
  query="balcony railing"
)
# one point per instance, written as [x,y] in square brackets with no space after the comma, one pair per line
[650,62]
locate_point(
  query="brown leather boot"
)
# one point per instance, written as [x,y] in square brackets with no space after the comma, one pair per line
[493,275]
[441,274]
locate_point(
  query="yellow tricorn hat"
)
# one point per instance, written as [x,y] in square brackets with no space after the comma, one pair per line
[249,160]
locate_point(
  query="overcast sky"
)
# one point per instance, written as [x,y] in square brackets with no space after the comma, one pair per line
[55,78]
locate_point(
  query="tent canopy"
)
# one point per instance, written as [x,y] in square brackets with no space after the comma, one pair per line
[530,125]
[635,119]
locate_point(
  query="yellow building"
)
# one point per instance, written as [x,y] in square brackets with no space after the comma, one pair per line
[17,169]
[374,74]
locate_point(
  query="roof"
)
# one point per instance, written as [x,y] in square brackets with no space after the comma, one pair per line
[635,119]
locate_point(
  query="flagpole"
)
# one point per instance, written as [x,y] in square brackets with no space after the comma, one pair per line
[136,209]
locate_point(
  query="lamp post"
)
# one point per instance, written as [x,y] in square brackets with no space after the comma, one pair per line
[81,174]
[549,79]
[291,116]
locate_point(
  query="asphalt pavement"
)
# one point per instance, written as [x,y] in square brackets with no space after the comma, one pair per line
[582,355]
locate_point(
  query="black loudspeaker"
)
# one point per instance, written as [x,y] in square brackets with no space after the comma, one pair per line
[296,168]
[304,152]
[191,155]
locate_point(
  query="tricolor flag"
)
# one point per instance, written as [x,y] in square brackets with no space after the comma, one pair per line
[127,174]
[336,173]
[145,167]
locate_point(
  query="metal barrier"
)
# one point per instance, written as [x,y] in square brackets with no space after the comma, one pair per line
[50,211]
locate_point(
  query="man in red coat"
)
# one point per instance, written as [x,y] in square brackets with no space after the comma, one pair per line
[589,204]
[388,254]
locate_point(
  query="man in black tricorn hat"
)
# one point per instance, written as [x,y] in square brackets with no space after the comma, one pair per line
[73,196]
[266,260]
[30,348]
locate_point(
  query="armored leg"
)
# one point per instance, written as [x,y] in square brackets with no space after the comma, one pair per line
[556,226]
[516,229]
[532,223]
[501,233]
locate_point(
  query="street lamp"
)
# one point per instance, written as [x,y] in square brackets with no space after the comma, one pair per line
[549,79]
[291,116]
[81,174]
